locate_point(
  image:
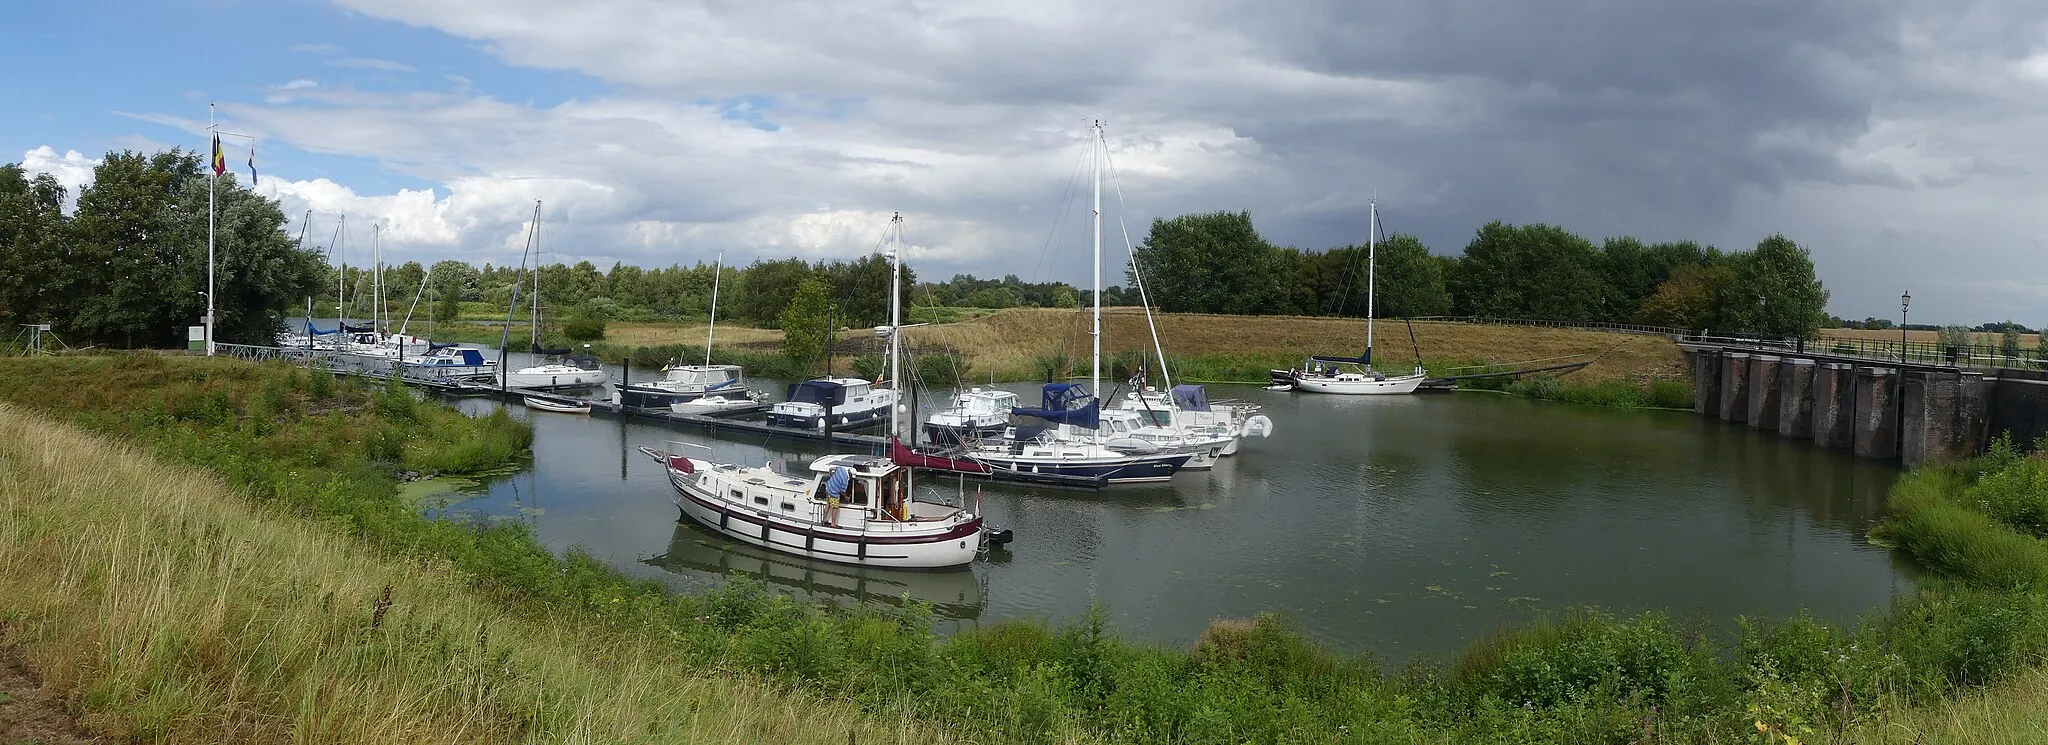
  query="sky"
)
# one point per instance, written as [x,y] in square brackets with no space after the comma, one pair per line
[1901,141]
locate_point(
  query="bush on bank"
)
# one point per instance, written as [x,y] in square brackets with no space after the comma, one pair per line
[328,450]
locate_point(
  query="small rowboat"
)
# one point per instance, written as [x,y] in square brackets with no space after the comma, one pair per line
[558,405]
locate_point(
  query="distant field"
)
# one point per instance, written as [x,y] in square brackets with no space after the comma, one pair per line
[2026,340]
[1009,343]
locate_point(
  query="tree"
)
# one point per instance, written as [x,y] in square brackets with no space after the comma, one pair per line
[34,286]
[130,239]
[1533,271]
[1774,291]
[1690,299]
[447,305]
[862,289]
[2009,341]
[803,320]
[1064,298]
[1208,263]
[993,297]
[768,287]
[1411,282]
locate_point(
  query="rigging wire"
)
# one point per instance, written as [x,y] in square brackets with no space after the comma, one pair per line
[1137,277]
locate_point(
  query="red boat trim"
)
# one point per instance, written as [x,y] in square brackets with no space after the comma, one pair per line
[961,531]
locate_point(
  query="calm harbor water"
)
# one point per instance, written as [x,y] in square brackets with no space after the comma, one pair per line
[1397,525]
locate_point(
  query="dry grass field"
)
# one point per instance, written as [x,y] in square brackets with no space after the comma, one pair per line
[2027,341]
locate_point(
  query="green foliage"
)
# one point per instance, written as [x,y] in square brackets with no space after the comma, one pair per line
[1954,335]
[1662,394]
[2009,342]
[1210,263]
[768,289]
[585,326]
[1690,299]
[34,286]
[1533,271]
[1774,291]
[948,369]
[803,321]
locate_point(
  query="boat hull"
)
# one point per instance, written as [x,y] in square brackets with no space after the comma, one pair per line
[955,545]
[1136,469]
[1391,386]
[948,434]
[840,419]
[560,407]
[548,382]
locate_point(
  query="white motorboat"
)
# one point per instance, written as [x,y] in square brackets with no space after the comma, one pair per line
[1130,432]
[842,402]
[976,414]
[1353,376]
[851,509]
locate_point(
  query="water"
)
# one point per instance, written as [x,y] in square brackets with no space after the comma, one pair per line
[1397,525]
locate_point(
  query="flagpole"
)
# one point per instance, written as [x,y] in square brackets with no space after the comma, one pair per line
[211,185]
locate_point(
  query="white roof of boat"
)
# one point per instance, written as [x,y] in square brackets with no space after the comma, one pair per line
[865,463]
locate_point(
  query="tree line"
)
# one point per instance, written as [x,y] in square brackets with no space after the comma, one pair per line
[1218,263]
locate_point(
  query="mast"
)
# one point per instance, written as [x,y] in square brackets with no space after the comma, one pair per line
[895,321]
[1095,271]
[376,279]
[534,320]
[712,332]
[340,277]
[1371,264]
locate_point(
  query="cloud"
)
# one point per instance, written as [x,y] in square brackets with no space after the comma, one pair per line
[367,63]
[786,128]
[72,169]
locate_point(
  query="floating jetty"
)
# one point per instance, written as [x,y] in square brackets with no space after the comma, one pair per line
[469,382]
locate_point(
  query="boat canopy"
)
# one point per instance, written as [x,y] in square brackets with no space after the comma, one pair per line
[433,347]
[317,331]
[1191,397]
[1066,403]
[356,329]
[819,392]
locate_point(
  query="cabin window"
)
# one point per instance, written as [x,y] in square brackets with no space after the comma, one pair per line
[1116,426]
[857,494]
[762,501]
[787,507]
[739,496]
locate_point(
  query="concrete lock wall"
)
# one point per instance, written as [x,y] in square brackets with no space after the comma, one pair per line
[1734,386]
[1973,413]
[1876,421]
[1834,404]
[2018,406]
[1706,383]
[1795,398]
[1763,392]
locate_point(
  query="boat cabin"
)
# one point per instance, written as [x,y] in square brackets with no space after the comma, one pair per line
[869,483]
[708,377]
[977,403]
[834,392]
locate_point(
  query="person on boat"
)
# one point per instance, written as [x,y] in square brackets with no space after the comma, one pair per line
[835,487]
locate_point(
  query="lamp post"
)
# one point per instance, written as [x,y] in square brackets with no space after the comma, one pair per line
[1905,299]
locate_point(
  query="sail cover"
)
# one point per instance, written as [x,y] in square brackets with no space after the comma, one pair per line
[1363,359]
[1191,397]
[1065,403]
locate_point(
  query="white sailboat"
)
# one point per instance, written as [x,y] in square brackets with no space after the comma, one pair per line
[1353,376]
[568,372]
[1064,448]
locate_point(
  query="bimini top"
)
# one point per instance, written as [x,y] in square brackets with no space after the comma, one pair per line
[1066,403]
[1363,359]
[1191,397]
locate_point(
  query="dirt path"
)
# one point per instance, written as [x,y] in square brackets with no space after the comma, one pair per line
[29,714]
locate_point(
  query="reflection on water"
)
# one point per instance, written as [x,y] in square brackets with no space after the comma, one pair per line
[1400,525]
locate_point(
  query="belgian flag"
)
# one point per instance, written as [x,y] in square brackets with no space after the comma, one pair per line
[220,159]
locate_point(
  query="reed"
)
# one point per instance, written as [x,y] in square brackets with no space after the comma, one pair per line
[165,608]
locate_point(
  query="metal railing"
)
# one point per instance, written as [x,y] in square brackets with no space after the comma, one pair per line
[350,363]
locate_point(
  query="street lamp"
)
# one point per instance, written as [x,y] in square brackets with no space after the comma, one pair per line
[1905,299]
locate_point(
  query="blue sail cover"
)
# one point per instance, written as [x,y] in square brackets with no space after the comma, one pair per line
[317,331]
[1066,403]
[720,384]
[434,347]
[1191,397]
[817,392]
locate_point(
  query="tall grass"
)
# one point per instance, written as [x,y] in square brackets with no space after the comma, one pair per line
[167,609]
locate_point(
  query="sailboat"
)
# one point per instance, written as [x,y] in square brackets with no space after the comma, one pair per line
[1062,448]
[695,389]
[848,401]
[1352,376]
[569,372]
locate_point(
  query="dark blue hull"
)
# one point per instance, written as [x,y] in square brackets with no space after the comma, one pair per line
[850,420]
[1134,469]
[951,435]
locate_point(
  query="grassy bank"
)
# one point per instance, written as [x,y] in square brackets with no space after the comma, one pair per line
[165,606]
[1584,677]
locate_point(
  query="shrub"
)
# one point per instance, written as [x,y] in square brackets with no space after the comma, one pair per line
[584,328]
